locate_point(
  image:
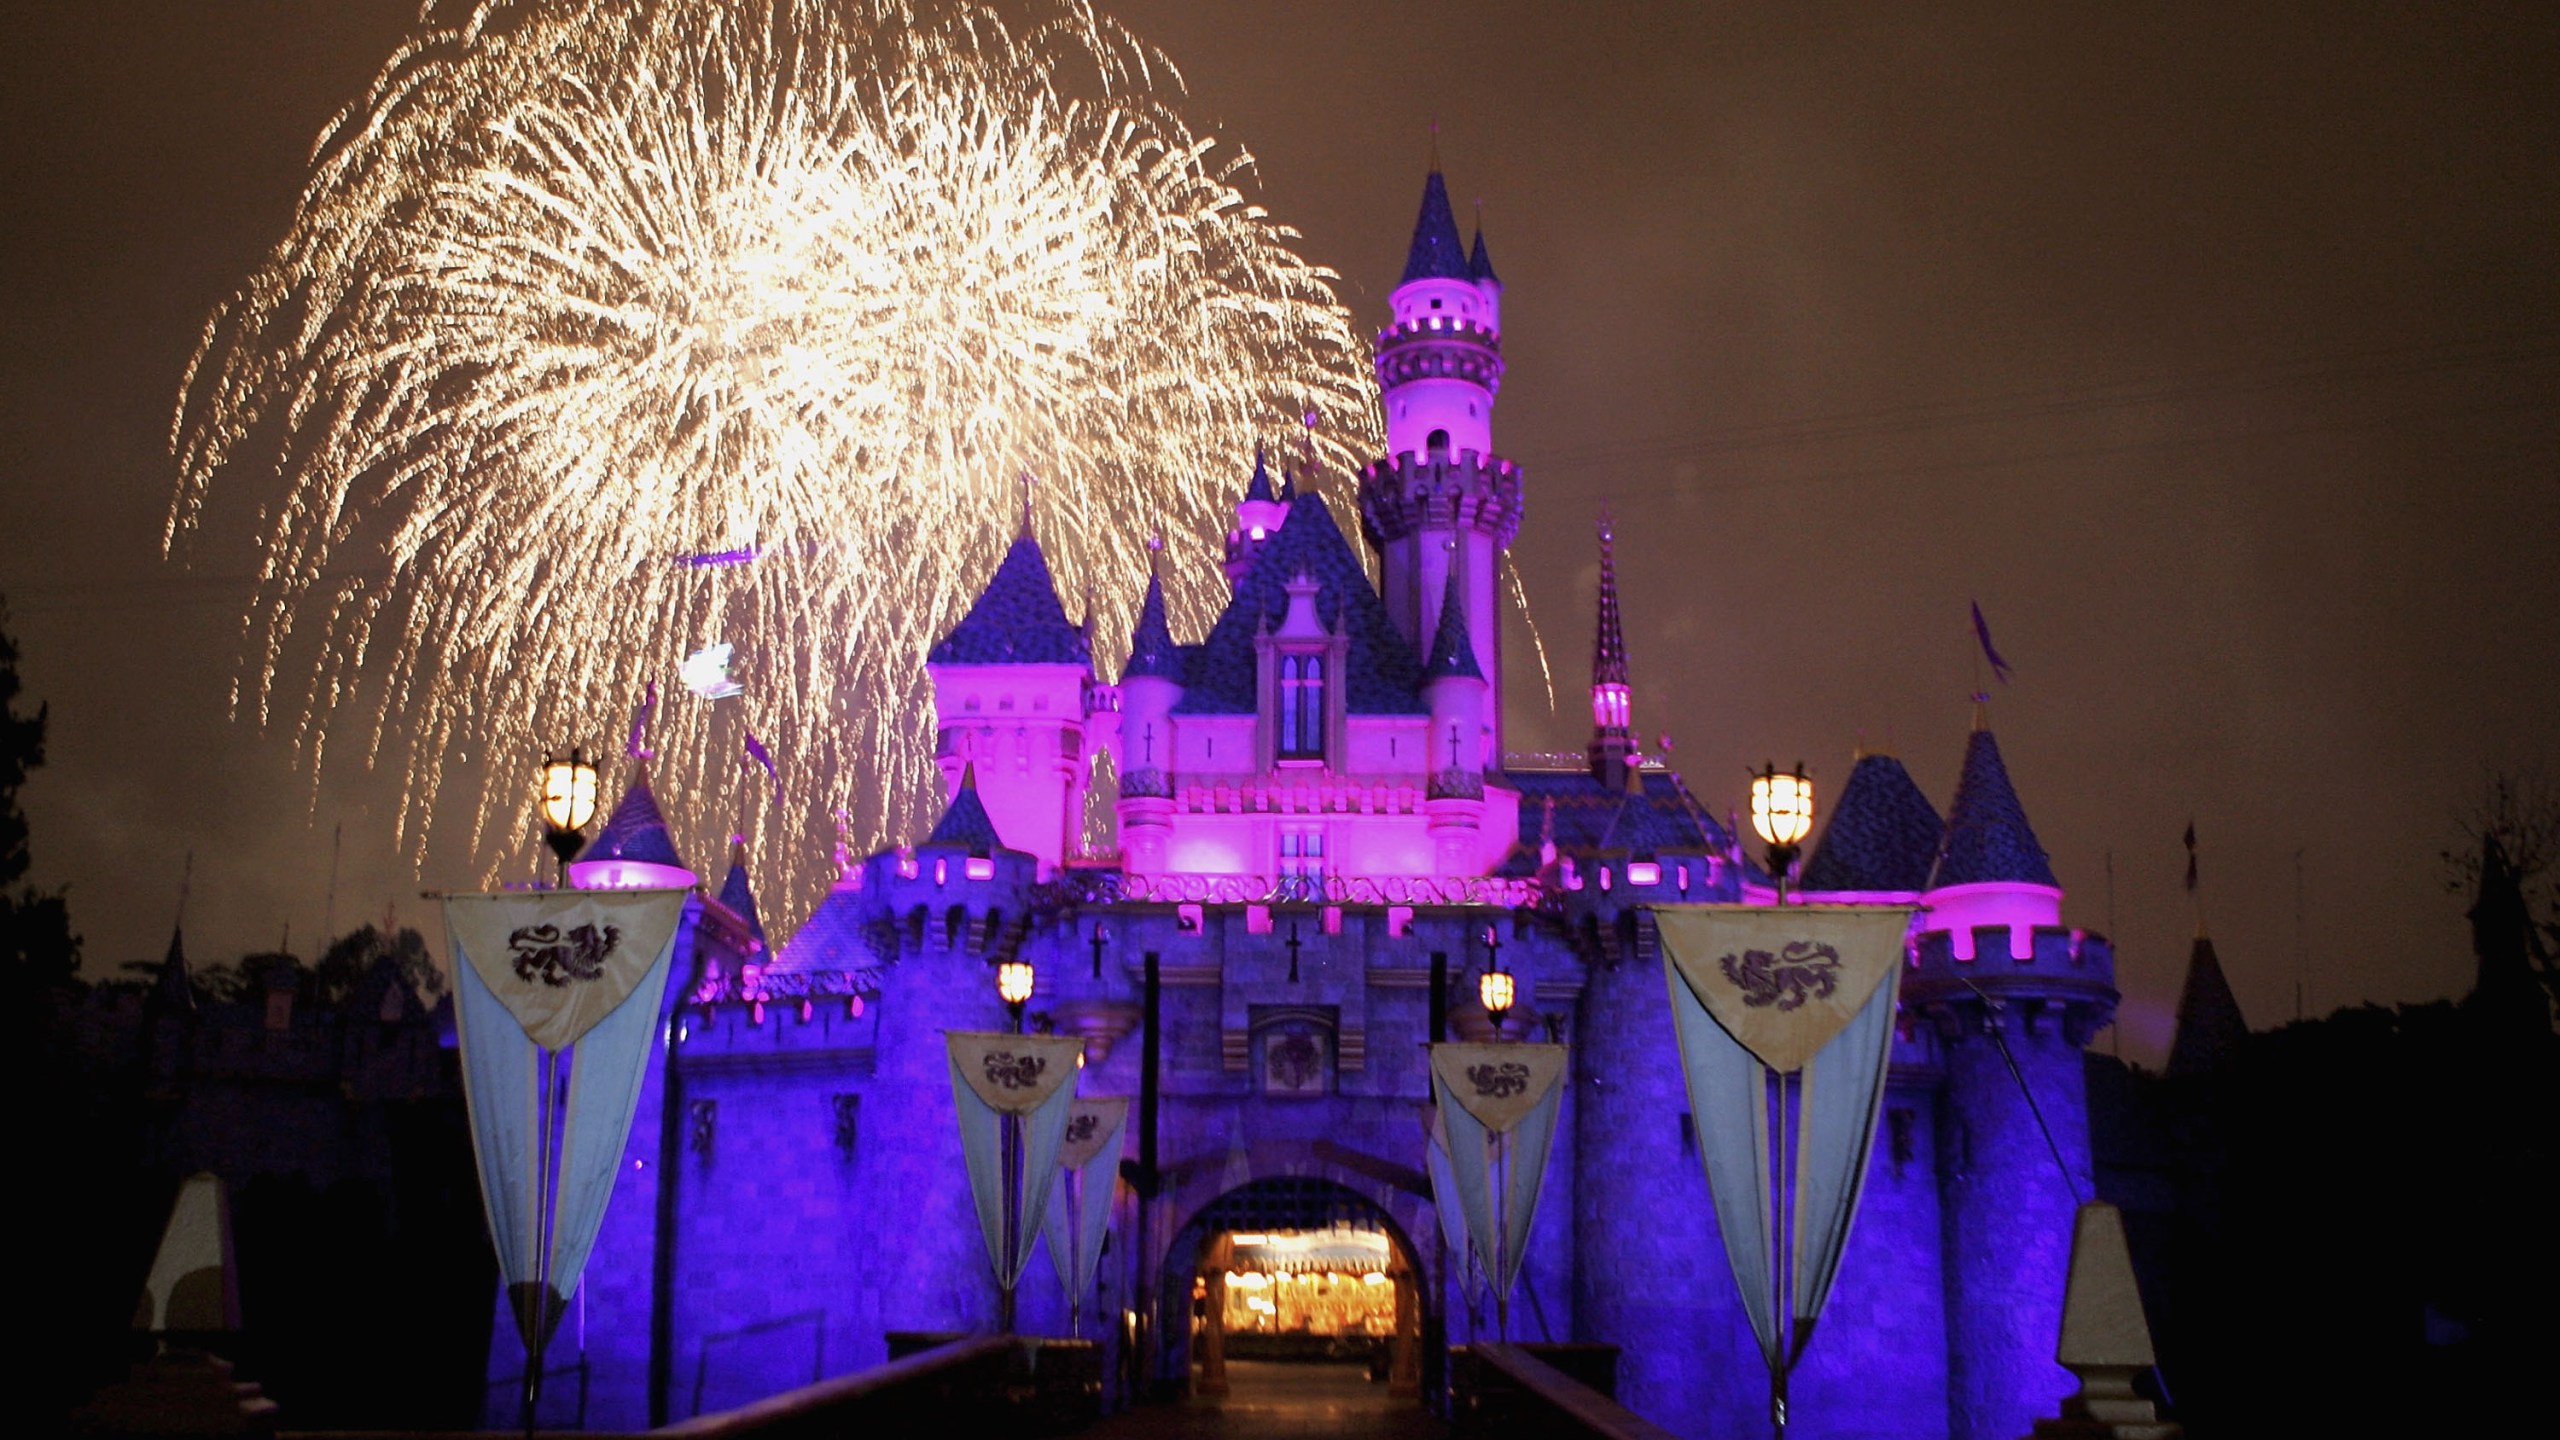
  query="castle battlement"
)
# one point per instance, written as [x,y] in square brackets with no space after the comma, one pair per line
[1409,492]
[2068,973]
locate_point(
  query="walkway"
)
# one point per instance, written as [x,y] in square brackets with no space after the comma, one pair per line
[1269,1400]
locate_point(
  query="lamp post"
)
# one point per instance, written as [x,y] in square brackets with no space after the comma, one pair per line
[1013,986]
[1496,987]
[1101,937]
[1782,813]
[568,803]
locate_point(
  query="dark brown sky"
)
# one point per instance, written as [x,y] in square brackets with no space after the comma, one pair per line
[2214,348]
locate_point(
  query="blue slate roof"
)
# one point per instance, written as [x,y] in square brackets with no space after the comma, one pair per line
[739,896]
[1882,835]
[964,823]
[1437,252]
[1988,837]
[1383,677]
[1017,619]
[636,830]
[1479,264]
[1657,815]
[830,940]
[1151,648]
[1453,653]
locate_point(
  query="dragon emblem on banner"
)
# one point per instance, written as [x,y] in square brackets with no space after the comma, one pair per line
[1080,1128]
[1804,970]
[557,957]
[1505,1079]
[1014,1072]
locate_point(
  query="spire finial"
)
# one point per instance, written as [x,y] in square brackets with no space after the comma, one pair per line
[1435,144]
[1613,744]
[638,748]
[1028,480]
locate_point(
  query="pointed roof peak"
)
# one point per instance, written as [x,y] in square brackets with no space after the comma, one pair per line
[1017,619]
[1480,264]
[738,895]
[1453,650]
[1152,652]
[1988,837]
[964,823]
[636,830]
[1436,253]
[1609,647]
[1882,835]
[2210,1026]
[1259,487]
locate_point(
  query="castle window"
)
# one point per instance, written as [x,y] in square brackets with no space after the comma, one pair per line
[1302,707]
[1302,851]
[1438,444]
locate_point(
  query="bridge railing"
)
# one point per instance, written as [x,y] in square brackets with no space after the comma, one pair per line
[1503,1391]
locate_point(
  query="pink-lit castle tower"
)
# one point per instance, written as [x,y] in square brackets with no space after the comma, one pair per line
[1321,845]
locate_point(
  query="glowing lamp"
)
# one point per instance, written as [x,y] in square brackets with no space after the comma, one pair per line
[568,803]
[1782,814]
[1497,989]
[1013,987]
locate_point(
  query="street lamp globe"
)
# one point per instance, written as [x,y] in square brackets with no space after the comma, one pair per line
[1782,815]
[568,791]
[1497,990]
[1013,987]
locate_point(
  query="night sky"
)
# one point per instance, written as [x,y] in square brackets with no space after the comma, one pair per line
[2215,349]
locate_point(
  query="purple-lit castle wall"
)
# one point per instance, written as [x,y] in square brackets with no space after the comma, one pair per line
[1313,804]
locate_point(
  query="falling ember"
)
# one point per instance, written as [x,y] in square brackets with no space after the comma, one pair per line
[789,291]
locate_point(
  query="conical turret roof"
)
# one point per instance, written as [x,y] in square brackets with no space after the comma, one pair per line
[1151,648]
[172,986]
[1017,619]
[1882,835]
[1988,837]
[1453,652]
[1259,487]
[964,824]
[1437,252]
[737,894]
[2210,1026]
[1480,264]
[636,830]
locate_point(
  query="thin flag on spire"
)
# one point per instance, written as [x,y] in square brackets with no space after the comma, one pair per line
[1982,633]
[639,746]
[2191,857]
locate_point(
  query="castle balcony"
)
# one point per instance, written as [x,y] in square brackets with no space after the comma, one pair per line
[1403,494]
[2065,975]
[1439,347]
[1292,793]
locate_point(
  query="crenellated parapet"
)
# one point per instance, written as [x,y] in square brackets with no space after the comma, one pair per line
[1439,347]
[2063,978]
[1403,495]
[926,901]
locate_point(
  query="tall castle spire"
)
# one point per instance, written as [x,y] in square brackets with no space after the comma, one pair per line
[1441,499]
[1613,741]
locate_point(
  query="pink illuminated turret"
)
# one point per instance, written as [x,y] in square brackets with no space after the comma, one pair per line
[1613,740]
[1441,501]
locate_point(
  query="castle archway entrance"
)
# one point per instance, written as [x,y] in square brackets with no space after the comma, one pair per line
[1294,1284]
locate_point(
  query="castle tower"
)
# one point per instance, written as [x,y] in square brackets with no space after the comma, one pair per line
[948,909]
[1441,497]
[1613,738]
[2005,984]
[1453,686]
[1150,684]
[1009,685]
[2211,1028]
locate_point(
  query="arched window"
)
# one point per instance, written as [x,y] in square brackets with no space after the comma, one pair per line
[1438,444]
[1301,707]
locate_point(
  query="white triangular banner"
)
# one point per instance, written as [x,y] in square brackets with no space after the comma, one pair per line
[1498,1106]
[1025,1085]
[562,960]
[1783,979]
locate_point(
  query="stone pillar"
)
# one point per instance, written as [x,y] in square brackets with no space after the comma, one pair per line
[1213,1325]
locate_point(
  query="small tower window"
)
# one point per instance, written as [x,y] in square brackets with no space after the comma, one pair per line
[1302,851]
[1301,707]
[1438,444]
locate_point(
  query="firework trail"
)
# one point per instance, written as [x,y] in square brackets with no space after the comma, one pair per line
[580,289]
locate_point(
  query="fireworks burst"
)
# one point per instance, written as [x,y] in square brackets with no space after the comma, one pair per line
[581,289]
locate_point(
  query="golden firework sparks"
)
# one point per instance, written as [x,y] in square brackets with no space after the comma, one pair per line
[578,290]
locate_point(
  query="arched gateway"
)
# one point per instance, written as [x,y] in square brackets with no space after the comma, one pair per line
[1293,1268]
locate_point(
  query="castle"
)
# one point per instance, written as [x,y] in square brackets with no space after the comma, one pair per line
[1320,848]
